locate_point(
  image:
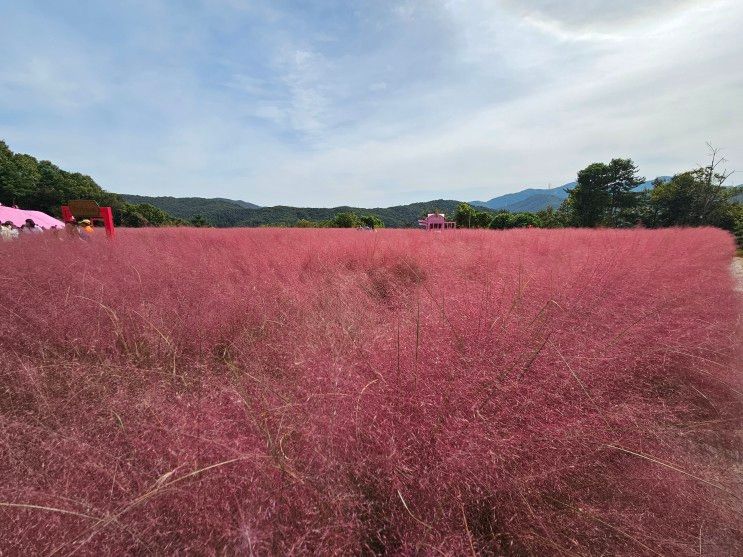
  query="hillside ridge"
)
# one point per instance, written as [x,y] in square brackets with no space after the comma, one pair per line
[224,212]
[538,199]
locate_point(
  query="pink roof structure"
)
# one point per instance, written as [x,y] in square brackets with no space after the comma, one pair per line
[436,221]
[19,216]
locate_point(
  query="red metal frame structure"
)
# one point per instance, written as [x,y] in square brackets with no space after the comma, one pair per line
[79,209]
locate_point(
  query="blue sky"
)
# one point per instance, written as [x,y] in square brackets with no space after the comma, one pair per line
[367,103]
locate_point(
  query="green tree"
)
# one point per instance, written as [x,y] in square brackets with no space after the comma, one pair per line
[19,178]
[502,220]
[199,222]
[372,221]
[482,219]
[526,220]
[623,201]
[590,199]
[603,193]
[695,198]
[345,220]
[128,216]
[554,218]
[465,216]
[689,200]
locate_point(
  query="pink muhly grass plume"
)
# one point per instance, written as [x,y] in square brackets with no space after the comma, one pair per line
[286,391]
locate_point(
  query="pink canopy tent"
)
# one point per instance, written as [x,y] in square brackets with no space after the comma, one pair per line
[19,216]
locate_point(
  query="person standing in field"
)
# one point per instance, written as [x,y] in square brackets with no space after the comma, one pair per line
[86,227]
[31,227]
[8,231]
[72,229]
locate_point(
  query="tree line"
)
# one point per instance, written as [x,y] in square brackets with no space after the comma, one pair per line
[605,196]
[346,219]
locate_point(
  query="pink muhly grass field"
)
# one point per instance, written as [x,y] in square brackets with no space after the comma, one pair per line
[283,391]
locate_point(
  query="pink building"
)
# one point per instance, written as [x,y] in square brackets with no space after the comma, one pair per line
[436,221]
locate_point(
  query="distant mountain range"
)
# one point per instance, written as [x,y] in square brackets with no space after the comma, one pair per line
[535,199]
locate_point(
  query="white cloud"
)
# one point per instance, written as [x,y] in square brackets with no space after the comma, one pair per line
[597,15]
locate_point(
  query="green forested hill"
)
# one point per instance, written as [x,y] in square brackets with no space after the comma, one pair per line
[217,212]
[225,212]
[400,216]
